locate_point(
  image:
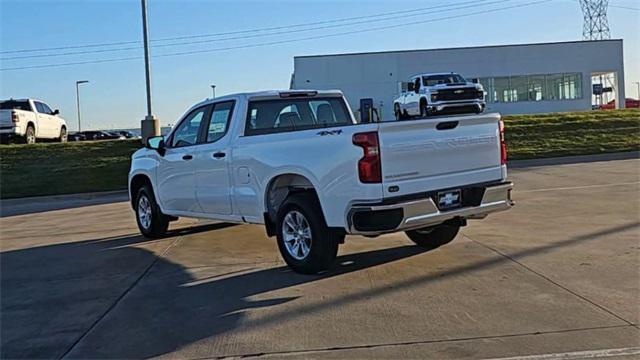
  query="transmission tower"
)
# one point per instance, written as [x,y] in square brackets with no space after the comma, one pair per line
[596,26]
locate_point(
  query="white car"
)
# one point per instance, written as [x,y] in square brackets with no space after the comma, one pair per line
[297,162]
[29,119]
[439,93]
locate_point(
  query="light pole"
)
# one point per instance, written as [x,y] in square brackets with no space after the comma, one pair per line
[150,126]
[213,90]
[78,100]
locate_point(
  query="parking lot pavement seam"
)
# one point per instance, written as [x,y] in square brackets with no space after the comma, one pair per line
[579,187]
[122,296]
[401,343]
[584,298]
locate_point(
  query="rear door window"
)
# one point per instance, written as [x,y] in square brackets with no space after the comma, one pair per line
[219,120]
[281,115]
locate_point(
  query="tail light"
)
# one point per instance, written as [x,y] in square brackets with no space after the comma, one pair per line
[503,145]
[369,169]
[14,117]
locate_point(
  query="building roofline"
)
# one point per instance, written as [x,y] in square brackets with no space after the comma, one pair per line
[456,48]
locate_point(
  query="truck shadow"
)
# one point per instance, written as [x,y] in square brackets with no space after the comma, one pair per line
[75,299]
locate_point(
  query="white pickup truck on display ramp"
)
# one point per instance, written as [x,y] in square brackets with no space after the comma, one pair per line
[28,120]
[439,94]
[297,162]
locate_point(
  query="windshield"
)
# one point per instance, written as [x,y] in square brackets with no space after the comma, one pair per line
[443,79]
[15,105]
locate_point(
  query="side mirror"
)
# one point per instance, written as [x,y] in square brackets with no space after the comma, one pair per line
[156,143]
[410,86]
[55,112]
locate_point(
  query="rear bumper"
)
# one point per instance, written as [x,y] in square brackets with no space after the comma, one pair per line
[375,219]
[11,130]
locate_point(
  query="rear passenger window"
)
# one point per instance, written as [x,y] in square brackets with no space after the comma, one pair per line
[219,121]
[273,116]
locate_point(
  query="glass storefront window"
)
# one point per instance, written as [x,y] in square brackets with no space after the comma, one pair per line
[501,89]
[572,86]
[555,86]
[536,88]
[519,88]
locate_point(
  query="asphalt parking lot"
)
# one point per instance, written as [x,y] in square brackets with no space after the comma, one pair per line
[560,273]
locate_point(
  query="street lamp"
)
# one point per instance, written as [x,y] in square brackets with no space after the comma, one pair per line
[150,126]
[78,100]
[213,89]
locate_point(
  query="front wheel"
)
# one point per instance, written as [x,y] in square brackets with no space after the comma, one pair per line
[433,237]
[63,135]
[398,112]
[305,242]
[424,110]
[151,221]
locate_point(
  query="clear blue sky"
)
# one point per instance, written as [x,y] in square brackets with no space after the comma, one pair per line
[115,95]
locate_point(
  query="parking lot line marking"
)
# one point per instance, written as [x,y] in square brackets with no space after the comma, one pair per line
[588,354]
[578,187]
[277,354]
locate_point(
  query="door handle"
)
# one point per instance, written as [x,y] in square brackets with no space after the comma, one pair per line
[187,157]
[219,155]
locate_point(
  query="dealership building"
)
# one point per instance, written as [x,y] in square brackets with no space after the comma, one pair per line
[523,78]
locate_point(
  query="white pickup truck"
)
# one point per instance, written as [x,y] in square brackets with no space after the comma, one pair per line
[439,93]
[29,119]
[297,162]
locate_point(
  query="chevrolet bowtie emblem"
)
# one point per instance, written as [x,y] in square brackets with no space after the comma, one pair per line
[449,199]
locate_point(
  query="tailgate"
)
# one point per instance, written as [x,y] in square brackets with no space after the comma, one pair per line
[439,153]
[5,118]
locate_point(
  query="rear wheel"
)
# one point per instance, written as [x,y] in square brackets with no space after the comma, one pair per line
[433,237]
[30,135]
[306,244]
[151,221]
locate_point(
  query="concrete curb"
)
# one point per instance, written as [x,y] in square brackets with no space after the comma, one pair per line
[515,164]
[36,204]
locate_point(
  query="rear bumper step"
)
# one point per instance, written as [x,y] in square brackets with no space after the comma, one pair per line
[378,219]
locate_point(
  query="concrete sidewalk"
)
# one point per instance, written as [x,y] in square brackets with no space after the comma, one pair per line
[31,205]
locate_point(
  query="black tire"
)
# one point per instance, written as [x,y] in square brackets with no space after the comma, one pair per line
[398,112]
[433,237]
[424,110]
[155,223]
[322,246]
[30,135]
[63,135]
